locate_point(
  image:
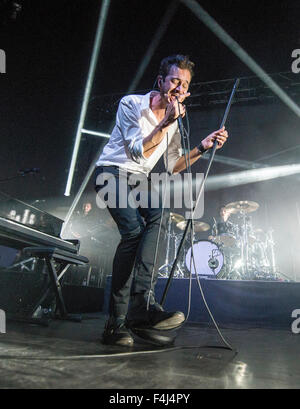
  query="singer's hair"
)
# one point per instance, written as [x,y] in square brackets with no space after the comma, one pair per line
[181,61]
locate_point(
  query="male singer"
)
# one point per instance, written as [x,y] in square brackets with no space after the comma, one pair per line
[144,126]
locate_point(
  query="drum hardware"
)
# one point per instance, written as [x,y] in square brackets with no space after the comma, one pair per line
[180,272]
[271,246]
[226,236]
[176,218]
[165,269]
[225,233]
[173,241]
[239,252]
[248,252]
[198,226]
[242,206]
[225,240]
[246,236]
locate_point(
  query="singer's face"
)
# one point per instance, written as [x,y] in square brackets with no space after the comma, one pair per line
[176,84]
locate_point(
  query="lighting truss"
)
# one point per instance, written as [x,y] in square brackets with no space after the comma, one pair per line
[212,93]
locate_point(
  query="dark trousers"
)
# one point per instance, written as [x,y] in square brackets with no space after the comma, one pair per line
[135,255]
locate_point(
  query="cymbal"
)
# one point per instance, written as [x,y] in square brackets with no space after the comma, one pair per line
[198,226]
[242,206]
[175,217]
[226,239]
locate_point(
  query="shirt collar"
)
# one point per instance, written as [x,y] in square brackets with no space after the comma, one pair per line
[146,101]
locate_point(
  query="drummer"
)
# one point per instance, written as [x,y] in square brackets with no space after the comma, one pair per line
[221,224]
[224,214]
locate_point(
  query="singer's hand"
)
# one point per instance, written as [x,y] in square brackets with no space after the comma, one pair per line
[173,111]
[221,136]
[173,96]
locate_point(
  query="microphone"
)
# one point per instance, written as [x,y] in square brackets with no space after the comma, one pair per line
[179,120]
[29,170]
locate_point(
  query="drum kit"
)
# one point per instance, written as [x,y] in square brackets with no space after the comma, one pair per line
[173,241]
[233,251]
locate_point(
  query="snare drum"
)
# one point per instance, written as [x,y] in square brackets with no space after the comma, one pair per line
[226,234]
[208,256]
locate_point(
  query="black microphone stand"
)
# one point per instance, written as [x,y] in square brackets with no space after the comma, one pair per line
[212,155]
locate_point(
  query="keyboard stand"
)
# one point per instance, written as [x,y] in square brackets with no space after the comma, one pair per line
[53,255]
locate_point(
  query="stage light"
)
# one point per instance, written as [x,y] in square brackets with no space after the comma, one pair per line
[240,53]
[10,10]
[144,63]
[96,133]
[250,176]
[238,264]
[153,45]
[156,39]
[88,87]
[242,375]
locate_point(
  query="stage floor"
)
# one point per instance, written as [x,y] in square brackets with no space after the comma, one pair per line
[70,355]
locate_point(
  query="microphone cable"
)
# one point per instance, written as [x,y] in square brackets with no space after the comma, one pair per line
[154,267]
[186,148]
[186,137]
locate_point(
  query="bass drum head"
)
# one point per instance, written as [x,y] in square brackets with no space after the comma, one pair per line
[208,258]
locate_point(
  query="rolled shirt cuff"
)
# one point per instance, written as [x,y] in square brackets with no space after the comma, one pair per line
[136,150]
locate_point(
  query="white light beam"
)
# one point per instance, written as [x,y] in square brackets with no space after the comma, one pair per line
[88,87]
[250,176]
[240,53]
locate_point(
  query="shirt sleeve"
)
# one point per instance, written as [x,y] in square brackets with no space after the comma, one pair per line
[128,121]
[173,152]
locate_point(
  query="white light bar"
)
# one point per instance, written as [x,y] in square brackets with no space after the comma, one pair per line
[102,134]
[240,53]
[88,87]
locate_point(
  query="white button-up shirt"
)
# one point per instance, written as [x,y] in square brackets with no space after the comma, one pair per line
[135,120]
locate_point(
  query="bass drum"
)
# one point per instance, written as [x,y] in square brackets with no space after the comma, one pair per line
[209,258]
